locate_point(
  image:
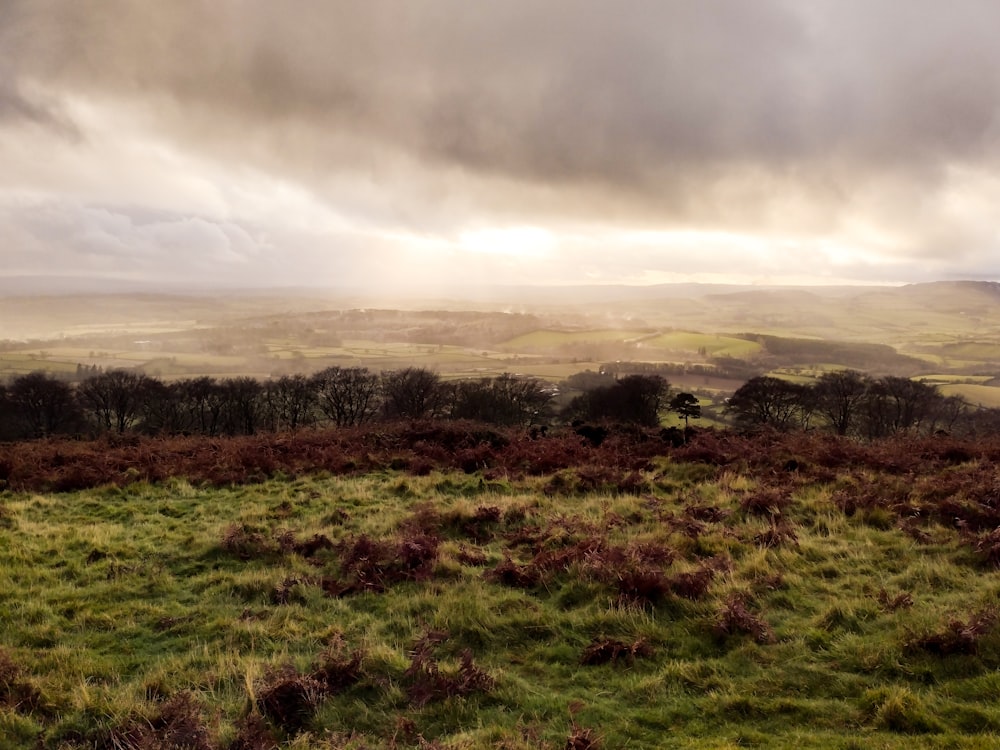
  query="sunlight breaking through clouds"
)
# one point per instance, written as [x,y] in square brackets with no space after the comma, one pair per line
[551,143]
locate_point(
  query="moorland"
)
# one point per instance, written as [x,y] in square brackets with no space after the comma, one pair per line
[446,583]
[361,589]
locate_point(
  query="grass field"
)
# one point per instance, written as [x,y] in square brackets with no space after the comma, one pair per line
[712,345]
[981,395]
[556,339]
[703,607]
[945,378]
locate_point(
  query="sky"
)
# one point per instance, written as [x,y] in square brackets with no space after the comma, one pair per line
[447,144]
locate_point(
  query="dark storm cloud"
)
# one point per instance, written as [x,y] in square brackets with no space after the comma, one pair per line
[561,91]
[799,116]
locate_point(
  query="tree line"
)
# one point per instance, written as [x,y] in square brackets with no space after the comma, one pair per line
[118,401]
[852,403]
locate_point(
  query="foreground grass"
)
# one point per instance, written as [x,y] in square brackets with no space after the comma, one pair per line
[710,609]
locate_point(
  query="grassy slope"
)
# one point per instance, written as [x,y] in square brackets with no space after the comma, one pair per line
[983,395]
[116,598]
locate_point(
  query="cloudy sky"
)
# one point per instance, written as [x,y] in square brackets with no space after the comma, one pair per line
[436,143]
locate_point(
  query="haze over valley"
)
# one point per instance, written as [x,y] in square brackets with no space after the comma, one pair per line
[704,338]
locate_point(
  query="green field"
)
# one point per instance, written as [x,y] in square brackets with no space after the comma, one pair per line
[490,613]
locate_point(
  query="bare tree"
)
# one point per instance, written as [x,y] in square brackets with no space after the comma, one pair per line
[347,396]
[412,393]
[896,404]
[201,401]
[42,404]
[242,405]
[637,399]
[114,399]
[163,409]
[840,398]
[291,401]
[769,401]
[503,400]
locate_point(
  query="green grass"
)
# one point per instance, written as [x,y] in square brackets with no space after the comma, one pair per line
[113,600]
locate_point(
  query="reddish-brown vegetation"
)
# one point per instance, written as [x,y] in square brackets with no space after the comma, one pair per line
[289,698]
[419,447]
[612,650]
[425,682]
[16,692]
[736,618]
[902,600]
[176,724]
[368,564]
[958,637]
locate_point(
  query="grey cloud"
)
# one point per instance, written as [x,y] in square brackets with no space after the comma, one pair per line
[805,116]
[559,91]
[98,240]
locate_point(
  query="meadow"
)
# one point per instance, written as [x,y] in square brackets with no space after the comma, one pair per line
[453,586]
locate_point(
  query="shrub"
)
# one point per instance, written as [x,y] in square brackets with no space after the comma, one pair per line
[902,600]
[374,565]
[253,733]
[289,699]
[336,670]
[957,637]
[691,585]
[245,542]
[16,693]
[605,650]
[426,683]
[176,725]
[642,586]
[734,618]
[509,573]
[778,534]
[766,502]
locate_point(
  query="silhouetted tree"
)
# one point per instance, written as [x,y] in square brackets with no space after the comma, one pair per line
[9,429]
[42,404]
[841,397]
[588,380]
[769,401]
[291,402]
[201,400]
[163,409]
[347,396]
[895,404]
[504,400]
[951,413]
[686,405]
[242,405]
[113,399]
[637,399]
[411,393]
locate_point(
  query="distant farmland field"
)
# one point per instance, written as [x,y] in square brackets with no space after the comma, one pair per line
[712,345]
[982,395]
[554,339]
